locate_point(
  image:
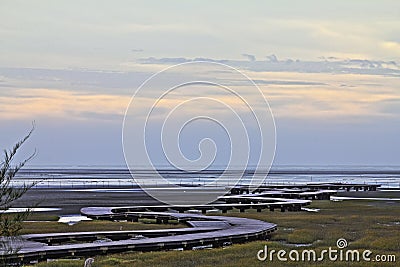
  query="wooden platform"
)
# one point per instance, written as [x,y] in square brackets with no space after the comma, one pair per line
[202,230]
[309,186]
[212,231]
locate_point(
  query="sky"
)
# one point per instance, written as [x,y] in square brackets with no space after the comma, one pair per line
[329,71]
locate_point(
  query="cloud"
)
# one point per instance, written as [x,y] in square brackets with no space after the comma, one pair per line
[74,79]
[390,106]
[249,57]
[52,103]
[272,58]
[282,82]
[393,46]
[359,87]
[272,64]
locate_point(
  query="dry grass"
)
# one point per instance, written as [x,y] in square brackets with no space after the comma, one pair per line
[42,223]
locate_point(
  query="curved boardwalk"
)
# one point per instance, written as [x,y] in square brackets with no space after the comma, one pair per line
[204,231]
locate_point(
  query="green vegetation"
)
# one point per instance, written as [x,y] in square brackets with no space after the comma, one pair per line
[372,225]
[11,224]
[41,223]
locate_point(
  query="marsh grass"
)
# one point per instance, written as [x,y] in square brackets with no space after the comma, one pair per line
[50,225]
[364,224]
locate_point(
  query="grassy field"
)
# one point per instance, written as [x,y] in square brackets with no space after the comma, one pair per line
[372,225]
[42,223]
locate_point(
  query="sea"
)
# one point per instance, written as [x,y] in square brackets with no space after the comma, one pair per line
[121,176]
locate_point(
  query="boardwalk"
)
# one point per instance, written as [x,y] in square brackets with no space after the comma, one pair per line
[213,231]
[203,231]
[309,186]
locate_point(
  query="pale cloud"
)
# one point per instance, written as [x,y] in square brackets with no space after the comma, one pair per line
[341,89]
[45,37]
[392,47]
[341,97]
[50,103]
[249,57]
[330,65]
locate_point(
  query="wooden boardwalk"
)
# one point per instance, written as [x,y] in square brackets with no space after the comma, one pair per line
[240,202]
[212,231]
[305,187]
[202,230]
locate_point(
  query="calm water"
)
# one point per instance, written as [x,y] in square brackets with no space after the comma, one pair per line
[115,176]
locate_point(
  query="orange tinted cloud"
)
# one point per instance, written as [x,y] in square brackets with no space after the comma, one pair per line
[32,103]
[339,95]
